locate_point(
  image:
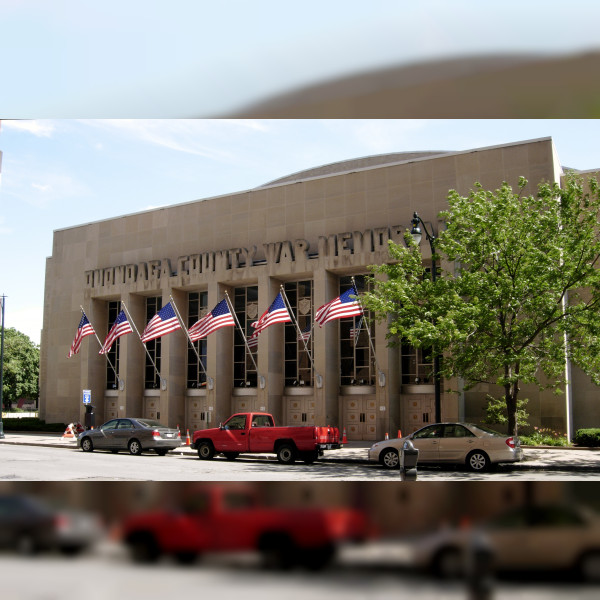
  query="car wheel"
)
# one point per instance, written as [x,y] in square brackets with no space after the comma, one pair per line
[87,444]
[389,458]
[478,461]
[206,451]
[135,447]
[231,455]
[286,454]
[161,452]
[589,567]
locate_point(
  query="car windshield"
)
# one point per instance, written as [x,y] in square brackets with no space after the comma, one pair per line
[484,429]
[150,423]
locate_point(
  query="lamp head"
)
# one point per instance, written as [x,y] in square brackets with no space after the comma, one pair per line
[415,230]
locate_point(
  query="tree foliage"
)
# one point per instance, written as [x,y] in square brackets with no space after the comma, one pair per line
[21,367]
[519,278]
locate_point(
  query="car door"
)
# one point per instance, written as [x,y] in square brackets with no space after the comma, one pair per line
[106,435]
[456,443]
[427,441]
[123,433]
[233,436]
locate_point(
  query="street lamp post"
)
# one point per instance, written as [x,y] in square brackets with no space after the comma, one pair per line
[416,234]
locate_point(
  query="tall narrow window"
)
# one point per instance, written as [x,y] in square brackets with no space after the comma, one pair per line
[298,365]
[152,379]
[197,308]
[114,308]
[356,342]
[246,309]
[417,365]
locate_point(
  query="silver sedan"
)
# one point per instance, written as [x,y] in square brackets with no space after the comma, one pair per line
[475,446]
[132,434]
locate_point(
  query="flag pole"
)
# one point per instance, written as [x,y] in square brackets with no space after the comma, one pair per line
[229,303]
[380,373]
[119,380]
[289,307]
[163,382]
[209,380]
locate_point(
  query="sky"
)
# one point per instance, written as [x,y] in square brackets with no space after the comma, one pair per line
[62,173]
[199,58]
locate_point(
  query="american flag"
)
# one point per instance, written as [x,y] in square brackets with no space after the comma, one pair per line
[304,334]
[120,327]
[84,329]
[355,331]
[219,316]
[253,340]
[345,305]
[163,322]
[276,313]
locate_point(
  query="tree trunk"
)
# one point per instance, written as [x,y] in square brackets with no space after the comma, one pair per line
[511,391]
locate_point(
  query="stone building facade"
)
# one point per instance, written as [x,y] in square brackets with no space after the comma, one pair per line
[310,235]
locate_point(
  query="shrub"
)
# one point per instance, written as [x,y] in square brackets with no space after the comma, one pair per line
[544,437]
[587,437]
[31,424]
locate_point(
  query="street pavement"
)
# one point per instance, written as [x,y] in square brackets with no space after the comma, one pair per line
[540,458]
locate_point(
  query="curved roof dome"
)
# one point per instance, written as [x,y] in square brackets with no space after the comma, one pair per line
[353,164]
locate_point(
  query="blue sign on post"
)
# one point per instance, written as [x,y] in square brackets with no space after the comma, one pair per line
[87,396]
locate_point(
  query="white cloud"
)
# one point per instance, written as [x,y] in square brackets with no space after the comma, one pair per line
[37,128]
[200,137]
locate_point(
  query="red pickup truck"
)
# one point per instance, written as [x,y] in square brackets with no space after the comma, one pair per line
[229,518]
[256,432]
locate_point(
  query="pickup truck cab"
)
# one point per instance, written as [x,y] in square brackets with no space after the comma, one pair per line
[256,432]
[226,518]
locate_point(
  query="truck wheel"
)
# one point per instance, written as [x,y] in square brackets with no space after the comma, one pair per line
[206,451]
[231,455]
[286,454]
[135,447]
[389,458]
[310,457]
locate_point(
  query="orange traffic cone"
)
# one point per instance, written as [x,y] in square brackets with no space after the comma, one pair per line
[399,433]
[187,438]
[69,432]
[344,438]
[387,436]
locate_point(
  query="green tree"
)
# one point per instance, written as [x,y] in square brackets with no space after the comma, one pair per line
[21,368]
[518,291]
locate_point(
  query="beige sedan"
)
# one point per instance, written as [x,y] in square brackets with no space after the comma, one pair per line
[537,538]
[474,446]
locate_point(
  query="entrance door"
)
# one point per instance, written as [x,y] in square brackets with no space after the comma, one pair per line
[301,411]
[419,411]
[360,417]
[199,415]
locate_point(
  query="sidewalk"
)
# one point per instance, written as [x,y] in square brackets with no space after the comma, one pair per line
[583,460]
